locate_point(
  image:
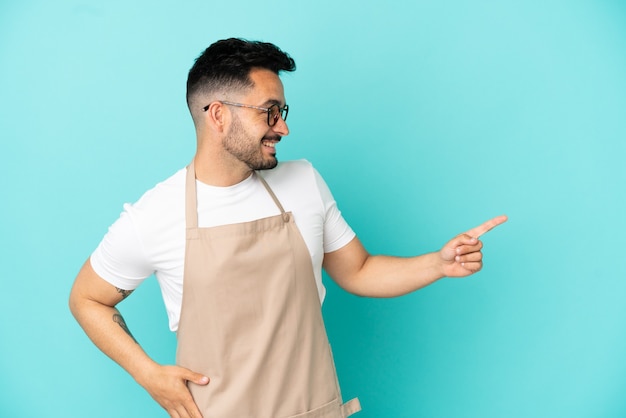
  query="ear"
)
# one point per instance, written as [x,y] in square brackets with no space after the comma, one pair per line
[216,116]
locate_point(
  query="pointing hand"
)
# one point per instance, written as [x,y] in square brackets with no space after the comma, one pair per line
[462,256]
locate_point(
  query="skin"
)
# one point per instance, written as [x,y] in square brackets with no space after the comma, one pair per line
[231,142]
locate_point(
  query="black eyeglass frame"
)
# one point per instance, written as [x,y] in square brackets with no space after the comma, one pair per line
[281,112]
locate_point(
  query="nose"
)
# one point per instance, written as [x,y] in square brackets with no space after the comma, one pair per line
[281,127]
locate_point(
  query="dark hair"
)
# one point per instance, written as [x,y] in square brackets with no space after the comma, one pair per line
[227,64]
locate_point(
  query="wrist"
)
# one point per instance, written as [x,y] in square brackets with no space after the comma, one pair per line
[439,265]
[144,371]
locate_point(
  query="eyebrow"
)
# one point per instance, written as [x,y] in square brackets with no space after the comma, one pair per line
[270,102]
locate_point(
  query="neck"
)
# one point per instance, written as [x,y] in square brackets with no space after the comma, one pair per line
[218,172]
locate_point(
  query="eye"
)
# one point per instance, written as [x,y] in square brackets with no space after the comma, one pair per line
[274,114]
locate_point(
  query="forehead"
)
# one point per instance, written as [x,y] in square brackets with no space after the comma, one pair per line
[267,88]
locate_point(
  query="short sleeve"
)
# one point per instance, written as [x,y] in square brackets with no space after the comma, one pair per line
[120,258]
[337,232]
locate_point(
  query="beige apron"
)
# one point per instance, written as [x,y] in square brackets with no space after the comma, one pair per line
[251,321]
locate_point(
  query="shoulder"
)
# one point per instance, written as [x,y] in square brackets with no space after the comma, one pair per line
[298,185]
[293,166]
[291,174]
[175,184]
[162,191]
[295,178]
[165,198]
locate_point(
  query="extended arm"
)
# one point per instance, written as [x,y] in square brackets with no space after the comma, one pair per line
[358,272]
[92,302]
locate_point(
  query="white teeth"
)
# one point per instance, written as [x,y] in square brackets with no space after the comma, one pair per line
[270,144]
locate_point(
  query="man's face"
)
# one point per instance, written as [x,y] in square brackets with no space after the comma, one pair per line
[250,139]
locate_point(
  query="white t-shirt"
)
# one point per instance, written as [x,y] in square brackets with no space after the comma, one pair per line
[149,236]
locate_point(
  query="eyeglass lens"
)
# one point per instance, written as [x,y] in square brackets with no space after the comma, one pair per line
[275,113]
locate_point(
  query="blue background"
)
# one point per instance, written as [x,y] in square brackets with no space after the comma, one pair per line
[425,117]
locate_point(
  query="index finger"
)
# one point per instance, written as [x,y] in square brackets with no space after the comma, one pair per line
[487,226]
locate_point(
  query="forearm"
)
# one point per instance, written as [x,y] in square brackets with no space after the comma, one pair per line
[92,302]
[387,276]
[107,329]
[358,272]
[166,384]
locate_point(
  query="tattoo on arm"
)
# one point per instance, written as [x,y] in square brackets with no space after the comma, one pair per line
[117,318]
[123,292]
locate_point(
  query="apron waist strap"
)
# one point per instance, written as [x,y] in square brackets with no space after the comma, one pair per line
[351,407]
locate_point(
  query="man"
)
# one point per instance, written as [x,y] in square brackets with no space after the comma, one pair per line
[237,243]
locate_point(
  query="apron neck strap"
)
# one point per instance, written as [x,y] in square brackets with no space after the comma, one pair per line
[191,199]
[271,192]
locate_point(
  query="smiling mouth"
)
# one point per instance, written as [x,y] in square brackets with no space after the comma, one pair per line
[270,143]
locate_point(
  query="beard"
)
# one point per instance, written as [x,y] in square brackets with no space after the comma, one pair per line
[241,145]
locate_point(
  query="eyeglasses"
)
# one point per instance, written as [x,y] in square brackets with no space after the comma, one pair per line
[274,112]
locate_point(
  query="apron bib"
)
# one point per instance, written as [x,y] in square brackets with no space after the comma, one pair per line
[251,320]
